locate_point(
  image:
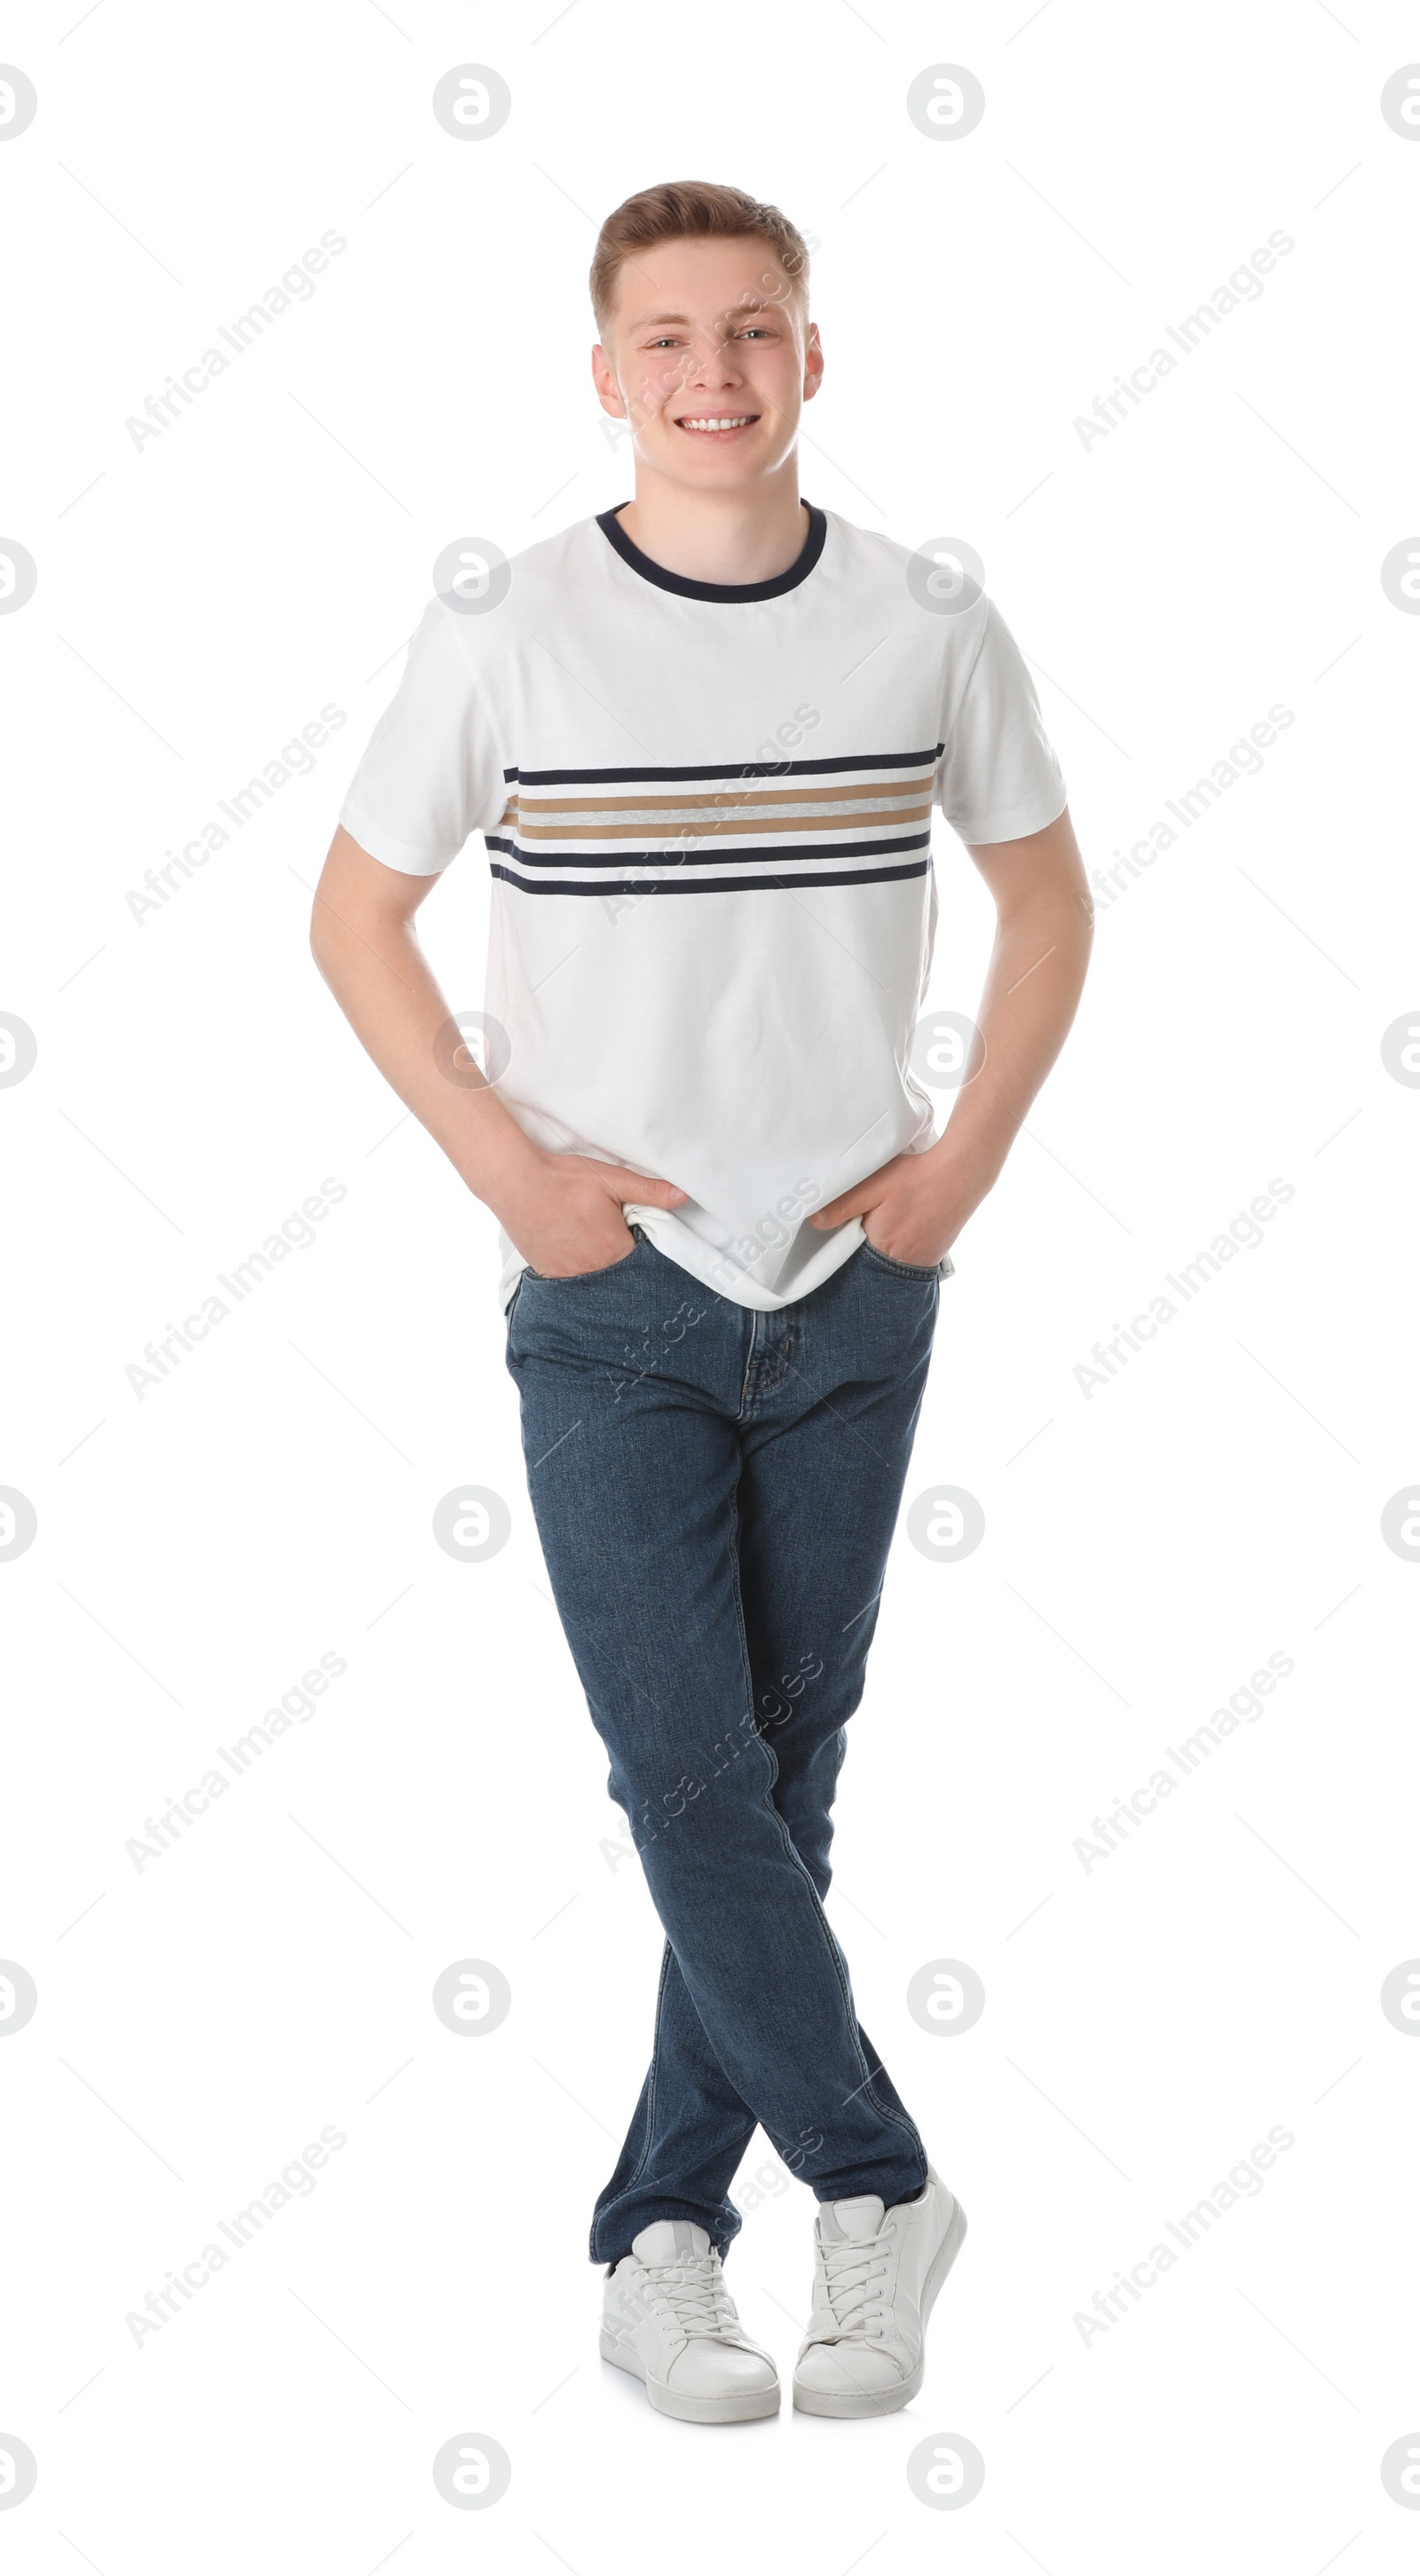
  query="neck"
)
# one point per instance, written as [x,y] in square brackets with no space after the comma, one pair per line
[732,536]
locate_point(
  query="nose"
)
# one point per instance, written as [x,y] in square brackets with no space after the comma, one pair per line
[711,363]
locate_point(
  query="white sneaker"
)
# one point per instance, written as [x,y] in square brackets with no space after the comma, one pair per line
[668,2318]
[876,2274]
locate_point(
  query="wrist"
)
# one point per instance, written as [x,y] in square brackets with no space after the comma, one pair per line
[969,1165]
[508,1168]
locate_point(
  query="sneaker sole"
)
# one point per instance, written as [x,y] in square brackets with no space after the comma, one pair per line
[886,2401]
[743,2408]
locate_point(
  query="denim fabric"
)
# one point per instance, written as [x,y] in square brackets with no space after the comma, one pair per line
[715,1491]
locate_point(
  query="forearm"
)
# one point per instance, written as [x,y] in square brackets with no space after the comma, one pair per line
[563,1212]
[1032,989]
[914,1207]
[383,983]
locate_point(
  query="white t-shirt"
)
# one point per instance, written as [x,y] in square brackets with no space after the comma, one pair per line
[708,810]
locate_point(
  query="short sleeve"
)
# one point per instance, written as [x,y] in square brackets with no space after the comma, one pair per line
[433,769]
[998,777]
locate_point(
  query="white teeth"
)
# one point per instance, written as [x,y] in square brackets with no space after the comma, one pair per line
[741,423]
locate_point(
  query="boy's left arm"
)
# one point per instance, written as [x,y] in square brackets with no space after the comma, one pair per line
[914,1208]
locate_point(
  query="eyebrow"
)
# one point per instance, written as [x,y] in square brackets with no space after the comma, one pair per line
[653,321]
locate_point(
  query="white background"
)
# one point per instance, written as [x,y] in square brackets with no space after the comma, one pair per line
[1146,1548]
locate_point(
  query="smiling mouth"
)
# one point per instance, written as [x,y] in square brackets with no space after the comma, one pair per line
[717,424]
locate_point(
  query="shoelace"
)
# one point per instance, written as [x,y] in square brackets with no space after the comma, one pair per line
[693,2288]
[849,2271]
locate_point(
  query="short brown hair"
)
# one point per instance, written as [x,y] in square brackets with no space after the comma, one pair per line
[693,210]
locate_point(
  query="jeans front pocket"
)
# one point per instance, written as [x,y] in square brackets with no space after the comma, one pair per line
[901,1269]
[570,1278]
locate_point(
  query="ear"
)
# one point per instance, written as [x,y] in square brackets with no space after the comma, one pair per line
[813,363]
[604,378]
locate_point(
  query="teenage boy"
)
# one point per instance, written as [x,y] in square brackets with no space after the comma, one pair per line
[703,736]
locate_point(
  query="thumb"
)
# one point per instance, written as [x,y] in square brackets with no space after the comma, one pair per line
[640,1189]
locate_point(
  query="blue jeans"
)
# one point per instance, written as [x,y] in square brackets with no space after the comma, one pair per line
[715,1491]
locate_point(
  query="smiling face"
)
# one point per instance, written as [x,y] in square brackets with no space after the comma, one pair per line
[708,358]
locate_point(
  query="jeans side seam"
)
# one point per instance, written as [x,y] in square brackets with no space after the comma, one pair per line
[907,2125]
[645,2155]
[633,2178]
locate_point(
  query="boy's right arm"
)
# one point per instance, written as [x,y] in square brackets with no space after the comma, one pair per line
[563,1211]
